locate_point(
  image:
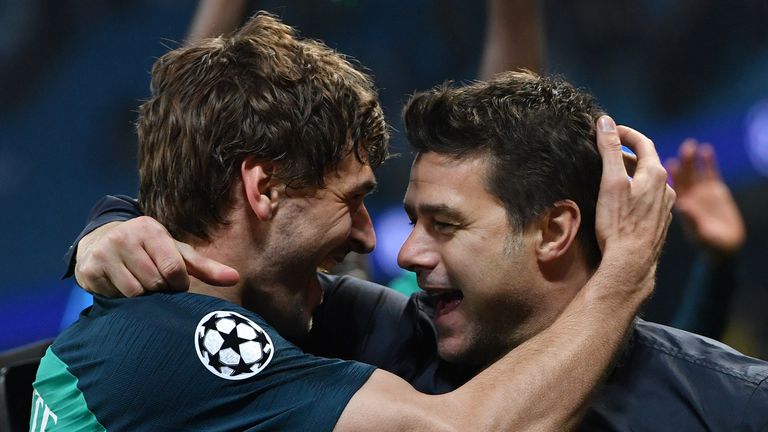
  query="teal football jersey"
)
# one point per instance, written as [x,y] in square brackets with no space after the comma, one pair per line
[185,362]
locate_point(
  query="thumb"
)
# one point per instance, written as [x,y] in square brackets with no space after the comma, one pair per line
[609,147]
[205,269]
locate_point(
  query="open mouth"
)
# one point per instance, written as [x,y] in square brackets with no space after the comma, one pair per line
[446,301]
[330,261]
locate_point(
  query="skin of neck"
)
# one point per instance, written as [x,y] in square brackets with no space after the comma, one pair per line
[562,279]
[230,245]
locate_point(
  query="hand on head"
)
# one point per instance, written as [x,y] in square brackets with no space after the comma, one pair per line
[632,216]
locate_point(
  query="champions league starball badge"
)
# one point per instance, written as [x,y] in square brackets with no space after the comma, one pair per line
[232,346]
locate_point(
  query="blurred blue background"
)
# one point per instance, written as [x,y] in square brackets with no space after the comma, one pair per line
[73,73]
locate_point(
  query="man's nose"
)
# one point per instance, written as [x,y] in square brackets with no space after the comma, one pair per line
[363,236]
[416,254]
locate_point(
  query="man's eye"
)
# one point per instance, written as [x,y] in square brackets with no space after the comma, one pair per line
[444,226]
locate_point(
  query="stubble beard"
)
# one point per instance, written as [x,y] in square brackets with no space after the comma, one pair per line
[478,349]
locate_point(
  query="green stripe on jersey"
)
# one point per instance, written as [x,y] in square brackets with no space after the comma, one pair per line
[57,403]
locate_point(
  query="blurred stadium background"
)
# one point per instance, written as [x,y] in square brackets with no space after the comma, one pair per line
[73,72]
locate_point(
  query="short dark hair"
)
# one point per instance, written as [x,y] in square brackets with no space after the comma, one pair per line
[538,134]
[260,91]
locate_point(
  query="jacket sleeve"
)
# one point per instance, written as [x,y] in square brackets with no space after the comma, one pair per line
[110,208]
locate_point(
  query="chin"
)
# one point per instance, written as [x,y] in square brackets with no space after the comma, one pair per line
[472,353]
[451,350]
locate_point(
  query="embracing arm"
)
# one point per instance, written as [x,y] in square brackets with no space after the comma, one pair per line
[121,252]
[545,383]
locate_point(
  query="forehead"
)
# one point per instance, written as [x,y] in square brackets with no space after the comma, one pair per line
[448,182]
[351,175]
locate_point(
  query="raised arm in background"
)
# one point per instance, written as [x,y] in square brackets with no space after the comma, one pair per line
[713,223]
[216,17]
[514,37]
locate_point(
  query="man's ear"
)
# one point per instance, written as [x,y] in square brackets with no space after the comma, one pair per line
[259,186]
[558,228]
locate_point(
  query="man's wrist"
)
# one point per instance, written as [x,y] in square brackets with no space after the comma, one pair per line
[108,209]
[619,284]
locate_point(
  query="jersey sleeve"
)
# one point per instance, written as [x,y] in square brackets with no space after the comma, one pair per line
[110,208]
[189,362]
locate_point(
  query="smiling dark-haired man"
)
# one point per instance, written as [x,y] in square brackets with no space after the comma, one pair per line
[502,199]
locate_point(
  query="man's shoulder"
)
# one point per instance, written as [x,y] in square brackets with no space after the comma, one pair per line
[162,339]
[197,361]
[170,317]
[359,320]
[160,305]
[669,379]
[377,325]
[700,353]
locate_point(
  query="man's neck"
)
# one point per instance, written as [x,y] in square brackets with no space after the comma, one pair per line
[230,294]
[558,283]
[564,278]
[229,245]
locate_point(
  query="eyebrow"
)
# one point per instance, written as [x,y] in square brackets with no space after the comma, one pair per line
[430,209]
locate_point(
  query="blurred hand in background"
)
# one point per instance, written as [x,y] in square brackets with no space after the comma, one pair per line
[710,215]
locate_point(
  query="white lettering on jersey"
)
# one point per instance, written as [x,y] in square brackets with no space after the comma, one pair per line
[37,402]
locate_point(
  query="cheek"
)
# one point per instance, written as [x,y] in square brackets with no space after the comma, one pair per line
[340,219]
[337,228]
[491,280]
[475,265]
[330,222]
[335,235]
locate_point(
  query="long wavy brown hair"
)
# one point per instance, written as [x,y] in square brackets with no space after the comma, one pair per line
[260,91]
